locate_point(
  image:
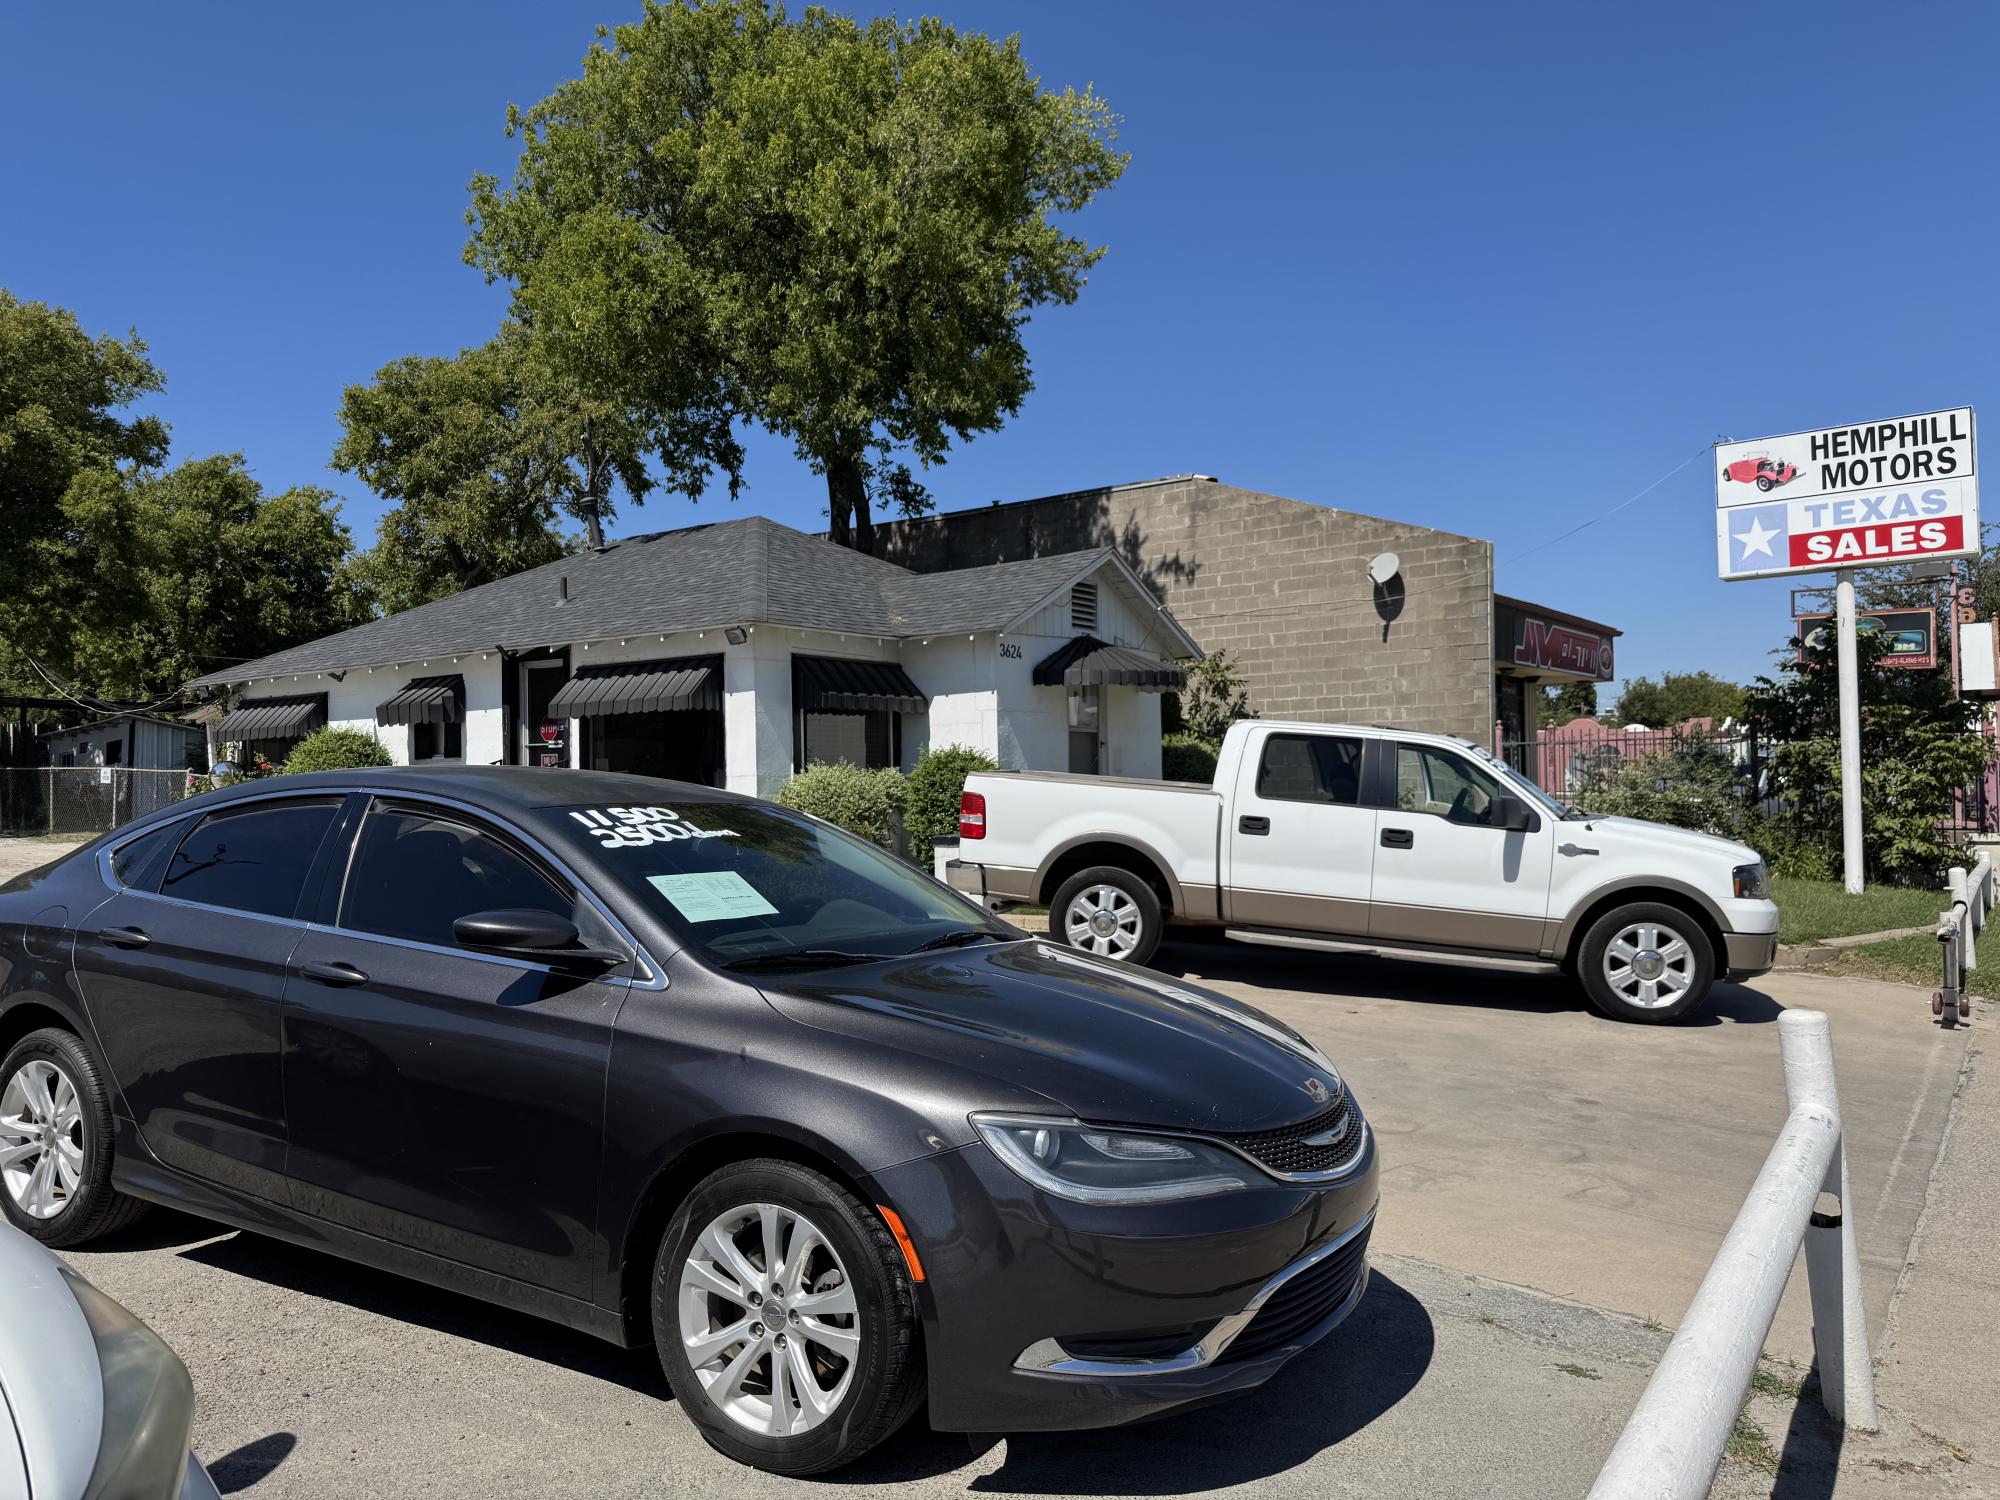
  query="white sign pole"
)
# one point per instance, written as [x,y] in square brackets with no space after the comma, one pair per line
[1850,731]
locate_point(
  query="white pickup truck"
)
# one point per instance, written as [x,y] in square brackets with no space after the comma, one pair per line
[1376,840]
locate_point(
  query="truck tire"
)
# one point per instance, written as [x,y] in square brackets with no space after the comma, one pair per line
[1110,912]
[1647,963]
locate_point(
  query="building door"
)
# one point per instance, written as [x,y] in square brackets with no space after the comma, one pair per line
[1086,730]
[1510,696]
[540,681]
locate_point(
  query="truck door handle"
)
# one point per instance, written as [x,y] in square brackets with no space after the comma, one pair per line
[126,937]
[1249,824]
[334,974]
[1398,838]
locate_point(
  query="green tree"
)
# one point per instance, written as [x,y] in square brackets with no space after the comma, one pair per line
[1570,700]
[836,229]
[176,574]
[1920,748]
[483,455]
[61,431]
[1678,697]
[1213,699]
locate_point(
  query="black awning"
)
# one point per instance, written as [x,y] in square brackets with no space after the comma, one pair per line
[641,687]
[834,684]
[273,718]
[427,700]
[1089,662]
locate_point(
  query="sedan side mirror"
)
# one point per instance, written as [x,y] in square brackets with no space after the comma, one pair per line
[1514,815]
[528,933]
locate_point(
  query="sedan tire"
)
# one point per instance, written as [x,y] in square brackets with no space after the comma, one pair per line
[1109,912]
[56,1141]
[785,1319]
[1647,963]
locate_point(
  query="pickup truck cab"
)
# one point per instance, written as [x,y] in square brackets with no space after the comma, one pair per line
[1365,839]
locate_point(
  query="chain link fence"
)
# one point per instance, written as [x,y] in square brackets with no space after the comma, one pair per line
[42,800]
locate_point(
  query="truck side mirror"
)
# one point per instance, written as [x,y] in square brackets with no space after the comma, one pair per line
[1514,815]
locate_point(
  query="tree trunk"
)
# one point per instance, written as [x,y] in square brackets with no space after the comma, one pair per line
[847,504]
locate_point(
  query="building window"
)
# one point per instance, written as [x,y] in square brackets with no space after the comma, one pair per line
[1083,606]
[114,752]
[445,741]
[871,738]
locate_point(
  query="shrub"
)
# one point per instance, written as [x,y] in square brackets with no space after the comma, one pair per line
[867,803]
[334,749]
[934,787]
[1213,698]
[1183,757]
[1689,786]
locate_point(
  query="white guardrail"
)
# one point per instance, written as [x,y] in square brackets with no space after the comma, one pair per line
[1672,1445]
[1958,928]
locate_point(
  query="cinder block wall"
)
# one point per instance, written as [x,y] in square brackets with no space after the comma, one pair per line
[1281,584]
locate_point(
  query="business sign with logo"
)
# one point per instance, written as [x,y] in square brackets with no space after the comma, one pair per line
[1846,497]
[1546,644]
[1911,635]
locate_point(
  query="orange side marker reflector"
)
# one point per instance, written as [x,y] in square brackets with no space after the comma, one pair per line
[895,1223]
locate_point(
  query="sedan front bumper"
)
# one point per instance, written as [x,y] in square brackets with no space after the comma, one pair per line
[1042,1314]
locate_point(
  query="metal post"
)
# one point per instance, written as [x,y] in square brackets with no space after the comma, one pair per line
[1833,1267]
[1957,884]
[1850,732]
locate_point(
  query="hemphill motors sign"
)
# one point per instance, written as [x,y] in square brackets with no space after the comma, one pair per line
[1842,497]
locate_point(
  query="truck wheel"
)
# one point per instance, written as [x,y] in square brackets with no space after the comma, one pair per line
[1647,963]
[1107,911]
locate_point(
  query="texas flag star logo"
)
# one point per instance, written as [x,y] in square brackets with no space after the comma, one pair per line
[1755,529]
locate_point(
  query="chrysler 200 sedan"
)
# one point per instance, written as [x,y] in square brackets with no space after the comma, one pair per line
[678,1067]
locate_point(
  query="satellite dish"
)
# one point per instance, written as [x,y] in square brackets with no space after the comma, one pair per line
[1384,566]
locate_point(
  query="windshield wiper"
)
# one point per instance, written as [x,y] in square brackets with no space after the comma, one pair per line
[959,939]
[805,958]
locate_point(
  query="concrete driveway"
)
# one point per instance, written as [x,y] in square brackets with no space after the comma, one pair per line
[1552,1181]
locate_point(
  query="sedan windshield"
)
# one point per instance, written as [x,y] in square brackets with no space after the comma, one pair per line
[758,887]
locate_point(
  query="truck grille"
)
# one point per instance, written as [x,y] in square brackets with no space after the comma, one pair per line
[1300,1304]
[1285,1150]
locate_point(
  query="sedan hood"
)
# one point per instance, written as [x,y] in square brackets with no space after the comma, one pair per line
[1102,1041]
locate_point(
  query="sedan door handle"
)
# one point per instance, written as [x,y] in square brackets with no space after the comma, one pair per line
[1398,838]
[126,937]
[335,974]
[1250,824]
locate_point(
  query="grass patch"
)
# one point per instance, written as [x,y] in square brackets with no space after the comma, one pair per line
[1750,1444]
[1765,1381]
[1809,910]
[1581,1372]
[1906,960]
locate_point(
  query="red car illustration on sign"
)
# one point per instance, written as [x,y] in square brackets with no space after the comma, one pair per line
[1765,473]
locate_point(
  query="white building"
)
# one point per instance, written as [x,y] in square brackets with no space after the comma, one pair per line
[734,654]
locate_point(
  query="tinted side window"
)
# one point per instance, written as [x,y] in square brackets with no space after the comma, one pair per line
[416,873]
[1310,768]
[251,859]
[135,863]
[1432,782]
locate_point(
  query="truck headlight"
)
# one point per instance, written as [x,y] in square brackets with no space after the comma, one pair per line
[1097,1164]
[1752,882]
[142,1449]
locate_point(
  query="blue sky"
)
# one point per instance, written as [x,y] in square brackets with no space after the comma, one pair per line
[1487,268]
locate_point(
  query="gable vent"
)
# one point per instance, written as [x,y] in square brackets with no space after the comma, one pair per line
[1083,606]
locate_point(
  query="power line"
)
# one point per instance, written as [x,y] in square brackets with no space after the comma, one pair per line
[1621,505]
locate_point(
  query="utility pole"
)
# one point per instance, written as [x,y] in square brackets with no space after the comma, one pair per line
[1850,731]
[593,491]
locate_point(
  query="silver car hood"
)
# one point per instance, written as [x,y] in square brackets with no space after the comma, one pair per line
[49,1380]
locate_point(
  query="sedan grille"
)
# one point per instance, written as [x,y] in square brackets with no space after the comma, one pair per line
[1288,1151]
[1303,1302]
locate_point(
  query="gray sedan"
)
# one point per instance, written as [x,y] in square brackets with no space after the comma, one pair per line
[92,1404]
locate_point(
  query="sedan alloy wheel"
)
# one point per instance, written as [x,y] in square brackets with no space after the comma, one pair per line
[768,1319]
[41,1138]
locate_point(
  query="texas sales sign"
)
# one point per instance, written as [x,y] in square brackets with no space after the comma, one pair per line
[1848,497]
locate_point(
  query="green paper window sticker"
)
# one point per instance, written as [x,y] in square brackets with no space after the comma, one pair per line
[712,896]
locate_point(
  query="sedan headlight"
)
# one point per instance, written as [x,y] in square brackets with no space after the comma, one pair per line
[148,1403]
[1096,1164]
[1752,882]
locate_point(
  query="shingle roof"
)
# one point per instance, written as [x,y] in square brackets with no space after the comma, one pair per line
[750,571]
